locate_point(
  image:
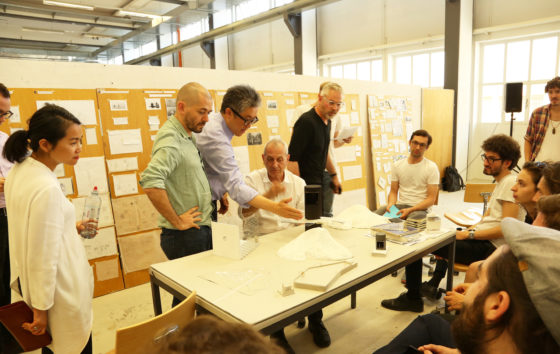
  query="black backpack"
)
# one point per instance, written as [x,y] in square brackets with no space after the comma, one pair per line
[452,180]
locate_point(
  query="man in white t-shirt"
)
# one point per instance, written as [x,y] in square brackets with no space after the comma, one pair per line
[501,154]
[414,180]
[276,183]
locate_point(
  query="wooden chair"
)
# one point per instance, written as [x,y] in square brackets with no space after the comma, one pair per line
[474,193]
[145,337]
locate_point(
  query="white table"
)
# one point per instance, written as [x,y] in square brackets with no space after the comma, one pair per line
[266,309]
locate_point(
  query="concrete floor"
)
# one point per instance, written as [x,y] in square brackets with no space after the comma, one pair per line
[361,330]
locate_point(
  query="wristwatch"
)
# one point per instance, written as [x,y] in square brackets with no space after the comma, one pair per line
[471,234]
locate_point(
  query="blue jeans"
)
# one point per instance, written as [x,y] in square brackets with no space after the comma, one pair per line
[180,243]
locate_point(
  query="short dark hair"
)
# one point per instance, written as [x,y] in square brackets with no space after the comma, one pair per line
[535,169]
[4,92]
[521,320]
[424,133]
[208,334]
[240,97]
[549,206]
[554,83]
[49,122]
[551,175]
[505,146]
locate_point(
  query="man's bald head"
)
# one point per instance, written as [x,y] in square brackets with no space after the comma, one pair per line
[191,93]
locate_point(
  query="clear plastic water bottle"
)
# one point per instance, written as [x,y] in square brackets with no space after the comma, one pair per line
[90,217]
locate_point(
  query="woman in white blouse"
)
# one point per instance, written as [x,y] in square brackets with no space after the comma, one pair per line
[49,267]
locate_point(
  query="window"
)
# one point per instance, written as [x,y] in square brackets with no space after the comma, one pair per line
[423,69]
[532,61]
[361,70]
[131,53]
[149,48]
[250,8]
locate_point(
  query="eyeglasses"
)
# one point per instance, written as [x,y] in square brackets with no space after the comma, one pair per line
[489,159]
[333,103]
[7,114]
[415,143]
[246,121]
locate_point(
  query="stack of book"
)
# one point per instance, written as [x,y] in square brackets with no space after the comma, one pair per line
[419,224]
[398,232]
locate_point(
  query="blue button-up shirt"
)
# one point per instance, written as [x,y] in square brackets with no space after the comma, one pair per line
[214,143]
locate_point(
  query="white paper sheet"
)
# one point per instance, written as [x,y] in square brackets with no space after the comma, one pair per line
[242,158]
[290,117]
[271,104]
[122,164]
[102,245]
[397,128]
[345,153]
[384,141]
[153,104]
[90,172]
[290,102]
[125,184]
[91,136]
[352,172]
[107,269]
[118,105]
[125,141]
[84,110]
[16,118]
[376,144]
[120,120]
[382,198]
[344,120]
[66,185]
[346,132]
[381,182]
[355,118]
[409,130]
[354,105]
[272,121]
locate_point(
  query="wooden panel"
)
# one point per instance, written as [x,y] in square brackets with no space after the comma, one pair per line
[437,119]
[106,286]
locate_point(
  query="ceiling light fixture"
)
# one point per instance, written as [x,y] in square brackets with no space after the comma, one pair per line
[136,14]
[42,30]
[65,4]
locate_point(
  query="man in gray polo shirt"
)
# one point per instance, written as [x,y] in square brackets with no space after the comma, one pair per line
[175,180]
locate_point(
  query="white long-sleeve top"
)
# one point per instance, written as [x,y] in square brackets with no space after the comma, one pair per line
[47,255]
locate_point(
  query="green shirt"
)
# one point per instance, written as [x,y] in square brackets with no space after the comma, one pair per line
[176,166]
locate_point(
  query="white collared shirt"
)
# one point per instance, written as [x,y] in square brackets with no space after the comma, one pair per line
[295,188]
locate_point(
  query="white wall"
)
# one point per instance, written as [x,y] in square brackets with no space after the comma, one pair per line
[39,74]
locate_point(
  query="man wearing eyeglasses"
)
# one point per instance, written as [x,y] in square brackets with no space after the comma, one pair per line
[238,112]
[5,166]
[501,154]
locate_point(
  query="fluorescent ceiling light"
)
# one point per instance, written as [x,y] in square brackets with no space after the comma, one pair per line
[136,14]
[65,4]
[42,30]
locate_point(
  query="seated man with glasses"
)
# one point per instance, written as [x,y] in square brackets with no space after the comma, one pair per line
[414,180]
[501,154]
[237,113]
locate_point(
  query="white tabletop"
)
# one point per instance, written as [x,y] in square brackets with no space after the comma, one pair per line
[265,306]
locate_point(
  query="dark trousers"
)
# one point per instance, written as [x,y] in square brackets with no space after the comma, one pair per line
[87,349]
[180,243]
[466,252]
[328,194]
[8,345]
[426,329]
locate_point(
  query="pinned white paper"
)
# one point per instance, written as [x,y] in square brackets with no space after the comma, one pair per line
[376,143]
[122,164]
[102,245]
[16,118]
[274,130]
[384,141]
[120,120]
[345,153]
[355,118]
[66,185]
[397,128]
[290,117]
[272,121]
[267,94]
[381,182]
[91,136]
[153,137]
[354,105]
[352,172]
[84,110]
[290,102]
[242,158]
[90,172]
[382,198]
[125,184]
[153,104]
[125,141]
[118,105]
[344,120]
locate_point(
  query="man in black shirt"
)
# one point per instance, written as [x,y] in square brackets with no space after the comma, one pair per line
[309,147]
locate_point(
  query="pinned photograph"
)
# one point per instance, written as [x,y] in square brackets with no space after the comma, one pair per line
[153,104]
[118,105]
[170,103]
[271,104]
[254,138]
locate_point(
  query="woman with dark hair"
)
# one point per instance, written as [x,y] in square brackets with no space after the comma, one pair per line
[49,267]
[525,188]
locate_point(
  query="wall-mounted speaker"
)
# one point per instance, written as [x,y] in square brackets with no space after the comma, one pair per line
[514,97]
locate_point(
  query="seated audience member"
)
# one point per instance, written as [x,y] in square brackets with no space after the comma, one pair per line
[276,183]
[501,154]
[525,188]
[210,335]
[511,307]
[550,180]
[414,180]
